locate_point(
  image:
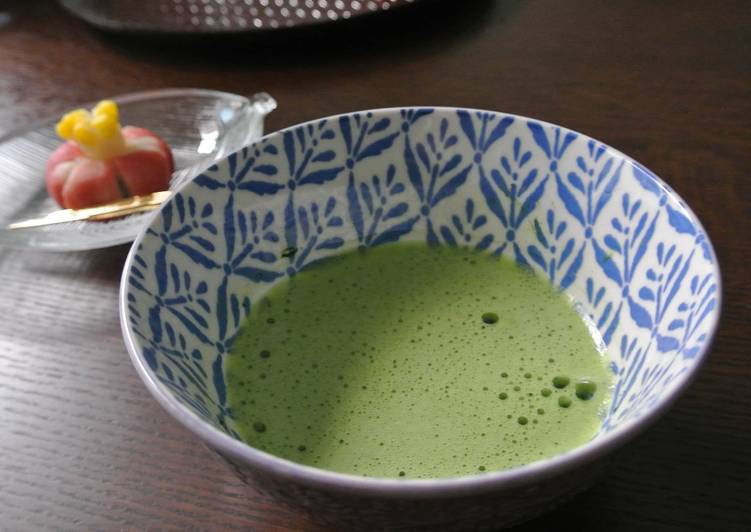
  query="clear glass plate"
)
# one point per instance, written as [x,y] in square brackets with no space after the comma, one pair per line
[200,126]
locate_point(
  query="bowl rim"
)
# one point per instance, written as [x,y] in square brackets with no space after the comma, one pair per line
[388,488]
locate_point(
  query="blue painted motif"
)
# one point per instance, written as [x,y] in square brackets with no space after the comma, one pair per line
[597,225]
[376,209]
[435,168]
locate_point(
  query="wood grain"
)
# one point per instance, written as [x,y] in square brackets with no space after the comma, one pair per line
[82,445]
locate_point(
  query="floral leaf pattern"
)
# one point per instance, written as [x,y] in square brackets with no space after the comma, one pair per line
[594,223]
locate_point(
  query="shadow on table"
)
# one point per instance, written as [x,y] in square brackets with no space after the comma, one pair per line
[102,265]
[424,27]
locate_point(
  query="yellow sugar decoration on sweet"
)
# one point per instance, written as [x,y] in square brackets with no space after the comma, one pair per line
[107,108]
[84,134]
[97,132]
[105,125]
[68,122]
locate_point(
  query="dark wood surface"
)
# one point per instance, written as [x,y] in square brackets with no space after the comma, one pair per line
[82,444]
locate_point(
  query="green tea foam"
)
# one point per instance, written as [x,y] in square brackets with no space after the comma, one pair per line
[411,361]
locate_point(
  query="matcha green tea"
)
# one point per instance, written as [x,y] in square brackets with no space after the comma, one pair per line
[418,362]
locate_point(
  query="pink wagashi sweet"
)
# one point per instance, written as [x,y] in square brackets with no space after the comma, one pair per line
[101,162]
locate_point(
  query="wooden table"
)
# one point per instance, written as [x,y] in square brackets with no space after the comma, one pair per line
[82,444]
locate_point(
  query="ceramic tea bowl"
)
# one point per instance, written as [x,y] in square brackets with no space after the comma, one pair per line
[598,225]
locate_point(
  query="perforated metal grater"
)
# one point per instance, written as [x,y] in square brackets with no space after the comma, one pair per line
[220,16]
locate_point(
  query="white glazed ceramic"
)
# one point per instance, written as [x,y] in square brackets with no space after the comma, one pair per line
[597,224]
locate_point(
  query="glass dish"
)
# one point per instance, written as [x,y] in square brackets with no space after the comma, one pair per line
[200,126]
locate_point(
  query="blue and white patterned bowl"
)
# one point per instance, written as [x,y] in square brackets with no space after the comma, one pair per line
[596,223]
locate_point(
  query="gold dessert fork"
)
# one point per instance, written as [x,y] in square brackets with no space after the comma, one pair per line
[107,211]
